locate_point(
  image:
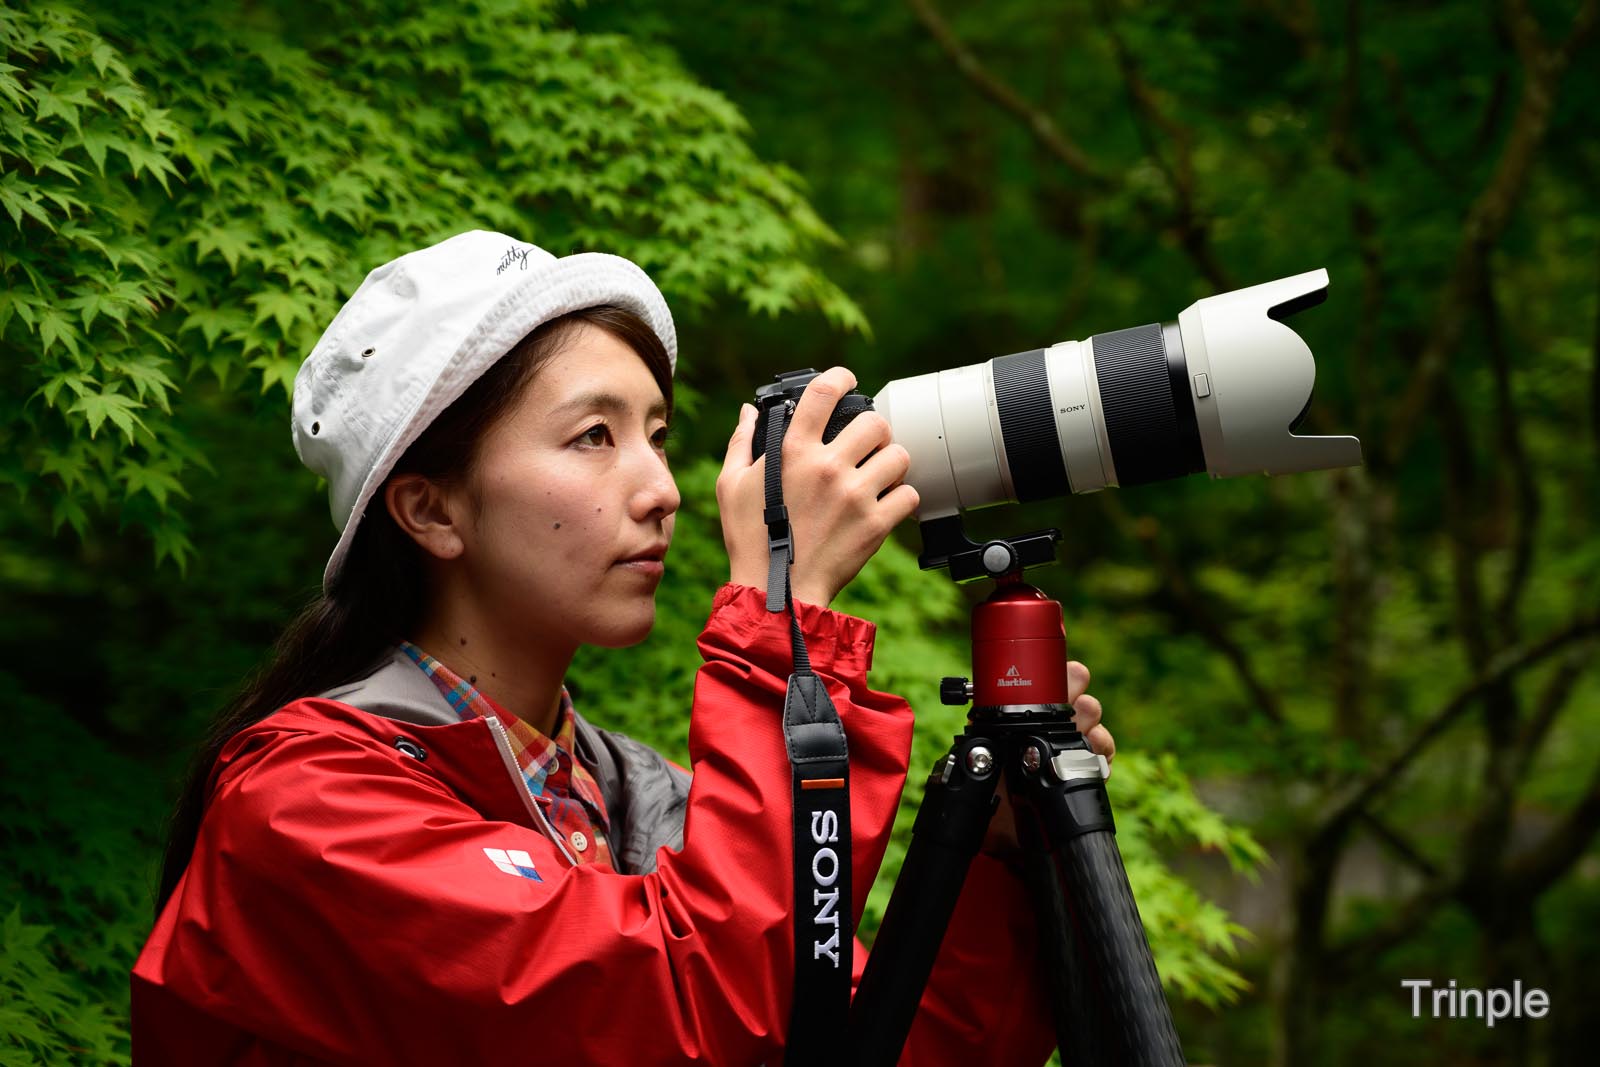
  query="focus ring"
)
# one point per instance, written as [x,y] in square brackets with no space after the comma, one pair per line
[1148,440]
[1027,426]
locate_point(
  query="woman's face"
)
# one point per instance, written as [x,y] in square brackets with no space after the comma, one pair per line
[565,490]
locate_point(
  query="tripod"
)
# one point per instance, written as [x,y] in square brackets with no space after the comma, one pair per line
[1106,999]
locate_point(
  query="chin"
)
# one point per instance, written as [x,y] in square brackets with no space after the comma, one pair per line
[623,631]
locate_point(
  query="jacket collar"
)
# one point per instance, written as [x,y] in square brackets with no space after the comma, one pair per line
[396,689]
[646,797]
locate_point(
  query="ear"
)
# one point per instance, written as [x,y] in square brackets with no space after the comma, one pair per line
[427,512]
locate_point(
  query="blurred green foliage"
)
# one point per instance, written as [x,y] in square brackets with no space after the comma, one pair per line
[1010,174]
[190,191]
[77,858]
[195,189]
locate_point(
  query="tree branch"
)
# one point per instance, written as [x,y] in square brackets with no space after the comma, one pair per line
[1410,132]
[1526,37]
[1485,841]
[1490,119]
[1357,955]
[1300,18]
[1594,381]
[1354,597]
[1552,699]
[1040,125]
[1502,666]
[1549,859]
[1461,487]
[1195,608]
[1490,212]
[1397,844]
[1526,878]
[1353,571]
[1194,232]
[1536,869]
[1527,512]
[1345,150]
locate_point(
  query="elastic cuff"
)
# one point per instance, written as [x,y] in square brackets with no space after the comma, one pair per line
[838,644]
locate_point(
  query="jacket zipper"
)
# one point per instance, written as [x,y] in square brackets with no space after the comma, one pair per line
[502,741]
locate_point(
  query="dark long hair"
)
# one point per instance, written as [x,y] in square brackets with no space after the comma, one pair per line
[378,595]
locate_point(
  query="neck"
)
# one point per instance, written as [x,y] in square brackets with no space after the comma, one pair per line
[521,675]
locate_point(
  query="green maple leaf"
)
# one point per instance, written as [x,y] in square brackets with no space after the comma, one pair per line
[68,510]
[277,371]
[11,88]
[70,468]
[18,200]
[148,377]
[78,382]
[155,481]
[172,543]
[55,328]
[97,408]
[93,304]
[18,302]
[127,97]
[48,104]
[143,158]
[214,322]
[283,307]
[105,58]
[231,242]
[97,138]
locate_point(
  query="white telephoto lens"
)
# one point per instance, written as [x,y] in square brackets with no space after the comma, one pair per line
[1221,390]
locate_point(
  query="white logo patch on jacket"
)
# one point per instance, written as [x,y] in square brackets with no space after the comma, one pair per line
[514,862]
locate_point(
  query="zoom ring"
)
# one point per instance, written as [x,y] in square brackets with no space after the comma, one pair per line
[1027,426]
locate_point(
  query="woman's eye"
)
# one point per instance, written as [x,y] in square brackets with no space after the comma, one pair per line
[595,435]
[661,437]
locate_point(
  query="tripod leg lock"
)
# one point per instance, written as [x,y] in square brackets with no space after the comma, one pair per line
[1079,763]
[1068,791]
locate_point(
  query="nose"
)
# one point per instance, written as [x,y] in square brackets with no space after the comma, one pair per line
[655,494]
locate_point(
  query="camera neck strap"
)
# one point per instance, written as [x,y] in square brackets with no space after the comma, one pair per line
[820,776]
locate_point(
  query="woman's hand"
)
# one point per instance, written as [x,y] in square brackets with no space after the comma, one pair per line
[1002,836]
[843,497]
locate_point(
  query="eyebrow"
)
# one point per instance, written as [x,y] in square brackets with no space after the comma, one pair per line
[608,402]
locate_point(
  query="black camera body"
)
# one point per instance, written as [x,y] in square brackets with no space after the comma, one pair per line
[786,388]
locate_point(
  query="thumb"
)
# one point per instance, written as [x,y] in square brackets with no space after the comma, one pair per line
[738,457]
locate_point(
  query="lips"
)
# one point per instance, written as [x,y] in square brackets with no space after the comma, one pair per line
[653,554]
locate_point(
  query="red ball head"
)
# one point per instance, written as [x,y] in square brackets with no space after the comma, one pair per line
[1019,648]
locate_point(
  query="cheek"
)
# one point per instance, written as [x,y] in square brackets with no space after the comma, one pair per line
[560,525]
[543,521]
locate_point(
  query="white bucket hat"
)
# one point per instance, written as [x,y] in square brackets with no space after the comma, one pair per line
[418,332]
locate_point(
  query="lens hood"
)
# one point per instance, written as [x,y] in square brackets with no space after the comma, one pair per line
[1251,378]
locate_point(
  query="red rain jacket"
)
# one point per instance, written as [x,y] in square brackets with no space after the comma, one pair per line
[340,906]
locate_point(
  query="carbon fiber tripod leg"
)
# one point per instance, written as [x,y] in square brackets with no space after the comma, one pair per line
[1081,888]
[950,827]
[1106,998]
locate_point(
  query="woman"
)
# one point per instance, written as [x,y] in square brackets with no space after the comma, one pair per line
[413,849]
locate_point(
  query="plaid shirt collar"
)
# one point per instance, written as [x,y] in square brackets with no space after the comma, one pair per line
[565,790]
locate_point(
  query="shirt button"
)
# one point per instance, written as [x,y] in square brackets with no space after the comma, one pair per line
[580,841]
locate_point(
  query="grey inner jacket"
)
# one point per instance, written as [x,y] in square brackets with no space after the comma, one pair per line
[645,796]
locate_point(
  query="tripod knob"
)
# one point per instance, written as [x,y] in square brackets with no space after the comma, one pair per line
[998,558]
[955,691]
